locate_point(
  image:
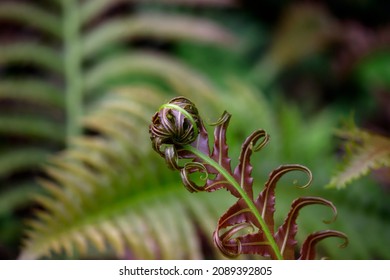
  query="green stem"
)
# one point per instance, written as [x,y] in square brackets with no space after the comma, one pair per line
[72,57]
[243,195]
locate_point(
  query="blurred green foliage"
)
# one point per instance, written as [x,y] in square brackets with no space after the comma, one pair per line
[85,77]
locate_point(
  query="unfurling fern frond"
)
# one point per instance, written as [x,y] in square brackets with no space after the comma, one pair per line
[365,151]
[177,133]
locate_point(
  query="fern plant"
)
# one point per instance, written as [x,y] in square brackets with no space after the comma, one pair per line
[95,202]
[365,151]
[177,132]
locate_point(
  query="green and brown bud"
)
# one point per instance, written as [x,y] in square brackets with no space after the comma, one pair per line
[176,124]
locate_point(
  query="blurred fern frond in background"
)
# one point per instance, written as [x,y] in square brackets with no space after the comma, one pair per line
[80,81]
[365,151]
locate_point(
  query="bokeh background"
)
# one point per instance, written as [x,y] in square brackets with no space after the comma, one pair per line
[80,80]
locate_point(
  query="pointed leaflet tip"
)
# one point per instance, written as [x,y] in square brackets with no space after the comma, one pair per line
[221,157]
[220,150]
[308,251]
[266,199]
[285,236]
[243,172]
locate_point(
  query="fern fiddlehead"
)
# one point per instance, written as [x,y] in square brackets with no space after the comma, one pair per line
[177,132]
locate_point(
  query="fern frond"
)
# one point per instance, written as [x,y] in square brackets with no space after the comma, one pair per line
[366,151]
[31,15]
[139,213]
